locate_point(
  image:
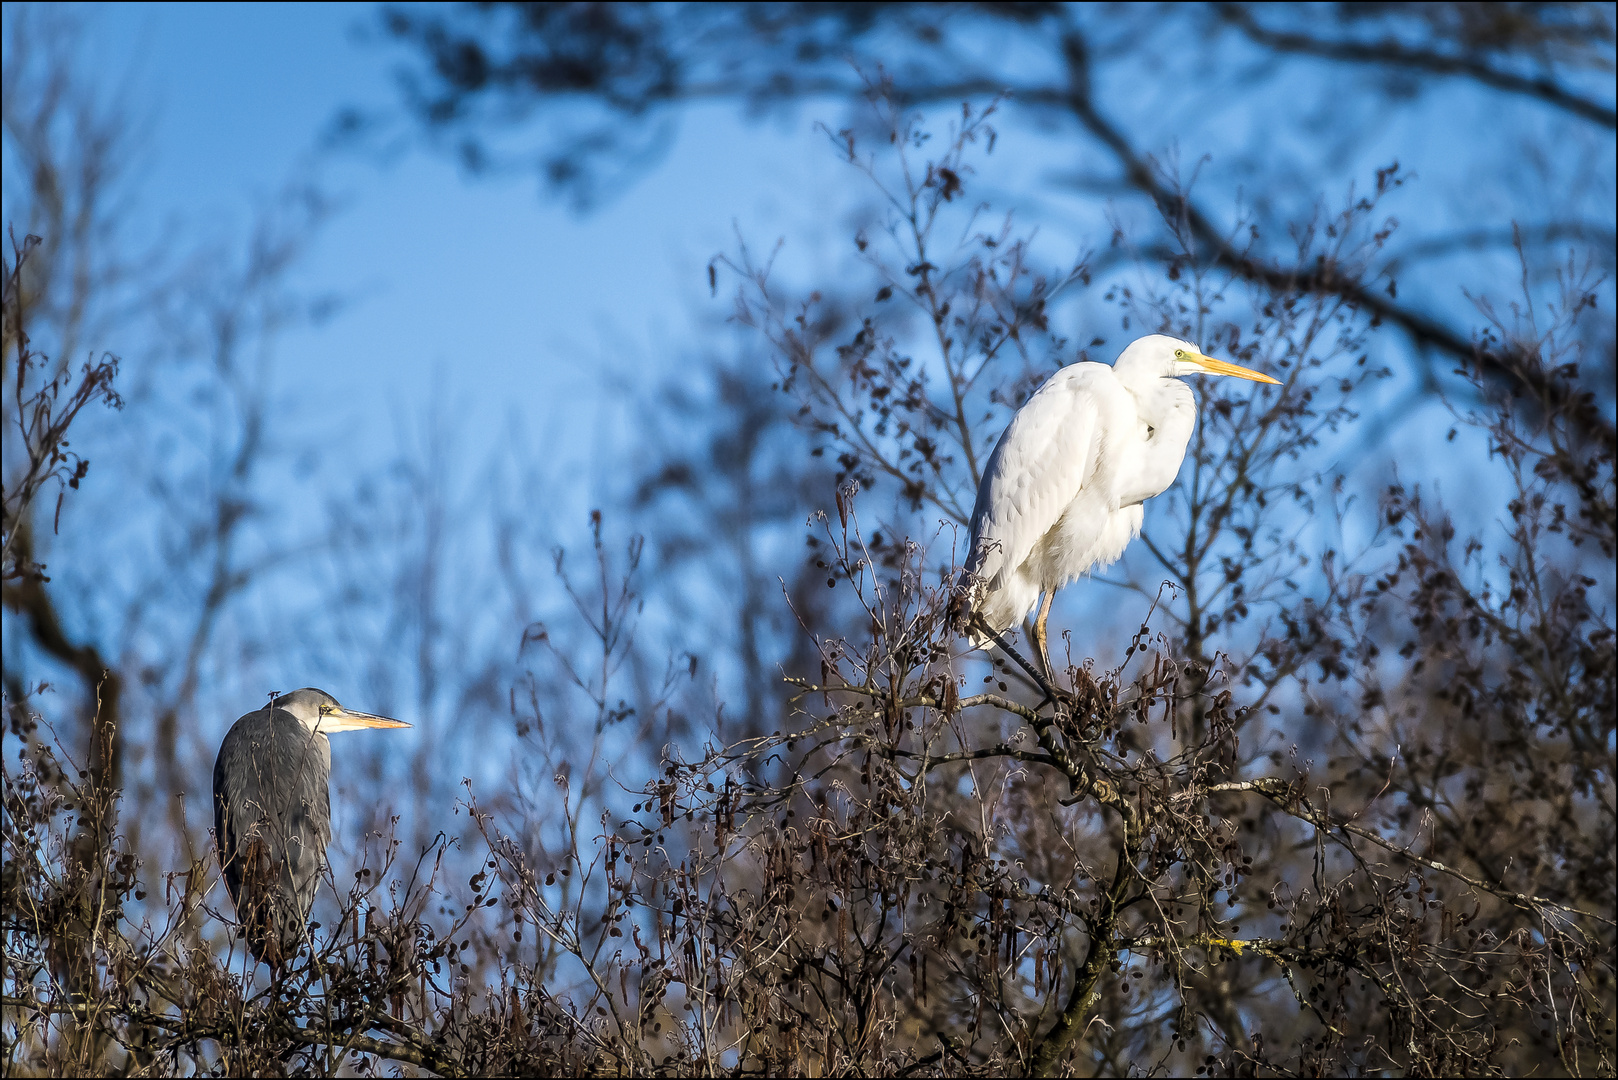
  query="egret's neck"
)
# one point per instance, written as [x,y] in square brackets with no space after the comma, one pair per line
[1168,415]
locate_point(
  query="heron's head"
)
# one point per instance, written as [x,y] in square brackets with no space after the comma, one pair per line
[1162,357]
[319,711]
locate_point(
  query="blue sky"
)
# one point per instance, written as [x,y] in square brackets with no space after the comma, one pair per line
[487,289]
[492,298]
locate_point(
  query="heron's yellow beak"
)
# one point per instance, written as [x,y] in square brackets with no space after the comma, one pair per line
[1219,367]
[342,719]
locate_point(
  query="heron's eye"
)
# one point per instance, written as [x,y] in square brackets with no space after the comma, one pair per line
[1179,354]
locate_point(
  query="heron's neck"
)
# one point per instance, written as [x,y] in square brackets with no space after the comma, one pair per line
[310,721]
[1168,415]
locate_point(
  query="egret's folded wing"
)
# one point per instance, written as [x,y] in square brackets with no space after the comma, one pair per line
[1037,469]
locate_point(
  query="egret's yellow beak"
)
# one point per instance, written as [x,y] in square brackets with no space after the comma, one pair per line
[341,719]
[1219,367]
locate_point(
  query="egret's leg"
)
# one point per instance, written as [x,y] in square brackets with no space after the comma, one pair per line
[1039,631]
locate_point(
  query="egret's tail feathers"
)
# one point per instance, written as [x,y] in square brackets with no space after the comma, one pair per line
[998,607]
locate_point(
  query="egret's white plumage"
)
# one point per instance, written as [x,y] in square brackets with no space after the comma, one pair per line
[1062,492]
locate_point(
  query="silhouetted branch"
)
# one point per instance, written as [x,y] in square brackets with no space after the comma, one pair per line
[1394,54]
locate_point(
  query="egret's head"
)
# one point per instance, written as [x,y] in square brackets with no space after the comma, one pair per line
[1169,358]
[318,710]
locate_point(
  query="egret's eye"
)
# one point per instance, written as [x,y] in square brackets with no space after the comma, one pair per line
[1179,354]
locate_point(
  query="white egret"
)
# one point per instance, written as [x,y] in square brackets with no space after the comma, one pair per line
[1063,491]
[272,813]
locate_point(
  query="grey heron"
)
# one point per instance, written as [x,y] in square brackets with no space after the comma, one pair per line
[1064,489]
[272,813]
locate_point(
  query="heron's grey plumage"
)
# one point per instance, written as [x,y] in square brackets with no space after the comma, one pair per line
[272,814]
